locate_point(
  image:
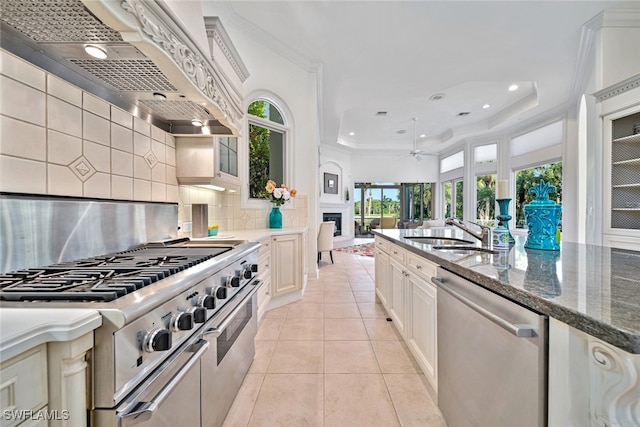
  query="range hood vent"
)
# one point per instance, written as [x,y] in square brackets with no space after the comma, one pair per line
[148,51]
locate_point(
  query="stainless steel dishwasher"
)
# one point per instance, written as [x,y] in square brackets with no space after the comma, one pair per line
[492,357]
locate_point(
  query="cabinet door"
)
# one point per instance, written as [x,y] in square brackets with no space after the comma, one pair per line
[397,294]
[423,327]
[286,264]
[622,176]
[382,277]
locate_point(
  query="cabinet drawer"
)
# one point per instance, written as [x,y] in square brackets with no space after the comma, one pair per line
[265,247]
[421,266]
[23,383]
[382,244]
[397,253]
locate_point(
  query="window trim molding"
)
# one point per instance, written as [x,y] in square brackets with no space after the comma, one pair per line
[247,202]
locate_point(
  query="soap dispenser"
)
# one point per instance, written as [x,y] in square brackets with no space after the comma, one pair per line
[542,216]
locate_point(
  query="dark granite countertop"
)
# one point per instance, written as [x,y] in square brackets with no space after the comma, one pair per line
[592,288]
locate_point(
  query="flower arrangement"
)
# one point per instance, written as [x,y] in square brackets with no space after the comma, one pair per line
[279,195]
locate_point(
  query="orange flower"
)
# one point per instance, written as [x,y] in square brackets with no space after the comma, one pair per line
[293,192]
[270,186]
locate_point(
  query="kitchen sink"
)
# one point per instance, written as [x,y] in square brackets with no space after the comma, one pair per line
[465,249]
[435,240]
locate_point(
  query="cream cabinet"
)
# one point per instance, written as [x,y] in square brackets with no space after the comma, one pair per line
[422,327]
[264,273]
[382,271]
[397,307]
[287,273]
[621,191]
[23,388]
[404,287]
[208,160]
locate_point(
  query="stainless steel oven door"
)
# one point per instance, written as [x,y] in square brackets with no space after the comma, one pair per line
[233,348]
[166,398]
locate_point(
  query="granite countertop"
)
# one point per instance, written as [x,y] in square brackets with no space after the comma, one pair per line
[22,329]
[592,288]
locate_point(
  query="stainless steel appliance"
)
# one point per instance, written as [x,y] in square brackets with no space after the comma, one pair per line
[178,317]
[492,357]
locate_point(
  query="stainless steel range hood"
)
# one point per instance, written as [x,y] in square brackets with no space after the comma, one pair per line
[153,68]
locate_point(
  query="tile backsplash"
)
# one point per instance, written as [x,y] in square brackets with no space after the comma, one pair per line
[56,139]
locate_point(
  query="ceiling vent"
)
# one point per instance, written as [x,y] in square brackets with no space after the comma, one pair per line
[436,97]
[381,113]
[401,132]
[464,113]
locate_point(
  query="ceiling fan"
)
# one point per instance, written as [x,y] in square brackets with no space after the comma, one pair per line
[416,152]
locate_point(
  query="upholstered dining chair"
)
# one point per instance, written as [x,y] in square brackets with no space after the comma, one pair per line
[325,239]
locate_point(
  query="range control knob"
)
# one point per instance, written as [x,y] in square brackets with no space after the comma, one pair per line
[254,268]
[199,314]
[221,292]
[207,301]
[232,282]
[182,321]
[247,272]
[157,340]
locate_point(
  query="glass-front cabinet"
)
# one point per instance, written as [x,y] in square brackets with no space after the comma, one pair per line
[208,160]
[622,175]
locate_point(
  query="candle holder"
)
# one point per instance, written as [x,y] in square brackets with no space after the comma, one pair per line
[504,217]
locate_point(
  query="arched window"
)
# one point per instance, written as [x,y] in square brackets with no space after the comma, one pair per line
[267,146]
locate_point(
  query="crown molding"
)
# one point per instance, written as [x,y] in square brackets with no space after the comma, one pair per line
[618,88]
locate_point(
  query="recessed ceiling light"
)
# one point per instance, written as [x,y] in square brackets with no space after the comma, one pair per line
[96,52]
[513,87]
[436,97]
[160,96]
[196,122]
[423,135]
[351,133]
[485,106]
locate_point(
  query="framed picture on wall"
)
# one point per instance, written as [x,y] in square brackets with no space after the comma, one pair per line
[330,183]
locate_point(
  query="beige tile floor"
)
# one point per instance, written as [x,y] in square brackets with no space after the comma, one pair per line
[332,359]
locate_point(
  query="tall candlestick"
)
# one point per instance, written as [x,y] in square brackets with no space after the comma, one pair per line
[503,189]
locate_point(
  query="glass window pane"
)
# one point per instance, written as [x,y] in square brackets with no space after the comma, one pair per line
[486,199]
[543,137]
[485,153]
[459,199]
[266,159]
[447,199]
[527,178]
[452,162]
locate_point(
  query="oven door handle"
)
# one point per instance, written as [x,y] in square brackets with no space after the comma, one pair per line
[218,330]
[147,409]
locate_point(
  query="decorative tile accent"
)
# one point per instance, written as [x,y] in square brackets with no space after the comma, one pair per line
[244,218]
[82,168]
[151,159]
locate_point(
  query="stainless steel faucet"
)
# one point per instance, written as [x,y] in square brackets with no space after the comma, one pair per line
[484,235]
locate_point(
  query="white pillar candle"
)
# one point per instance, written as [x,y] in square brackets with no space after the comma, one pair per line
[503,189]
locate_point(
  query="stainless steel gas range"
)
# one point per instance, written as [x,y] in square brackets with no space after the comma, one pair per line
[179,322]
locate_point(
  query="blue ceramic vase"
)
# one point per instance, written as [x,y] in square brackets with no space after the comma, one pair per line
[275,218]
[542,217]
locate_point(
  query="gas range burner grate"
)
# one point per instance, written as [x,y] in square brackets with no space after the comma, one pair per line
[84,285]
[101,278]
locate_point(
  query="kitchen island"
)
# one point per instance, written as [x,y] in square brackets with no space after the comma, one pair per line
[591,295]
